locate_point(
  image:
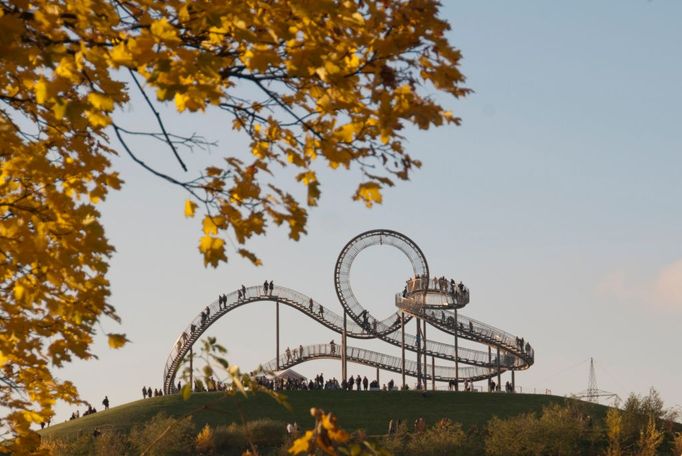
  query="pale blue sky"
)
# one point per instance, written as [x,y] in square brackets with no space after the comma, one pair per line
[557,201]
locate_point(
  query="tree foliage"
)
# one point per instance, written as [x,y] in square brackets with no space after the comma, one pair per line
[311,83]
[558,430]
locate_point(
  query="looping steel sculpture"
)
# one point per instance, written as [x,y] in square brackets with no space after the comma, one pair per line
[431,301]
[345,261]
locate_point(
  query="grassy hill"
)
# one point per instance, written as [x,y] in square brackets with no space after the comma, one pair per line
[370,411]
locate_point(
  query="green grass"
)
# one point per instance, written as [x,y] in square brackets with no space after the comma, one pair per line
[370,411]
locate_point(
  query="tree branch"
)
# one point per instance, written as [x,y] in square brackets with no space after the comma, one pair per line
[158,120]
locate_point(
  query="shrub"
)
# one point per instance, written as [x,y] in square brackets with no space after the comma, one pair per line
[112,443]
[263,433]
[677,444]
[650,438]
[81,446]
[560,430]
[164,435]
[205,441]
[443,439]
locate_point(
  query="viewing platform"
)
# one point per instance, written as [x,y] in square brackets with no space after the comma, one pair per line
[437,293]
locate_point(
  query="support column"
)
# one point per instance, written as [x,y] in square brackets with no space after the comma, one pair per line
[513,381]
[499,374]
[456,355]
[433,373]
[426,375]
[419,354]
[490,361]
[277,331]
[344,359]
[402,345]
[191,369]
[378,378]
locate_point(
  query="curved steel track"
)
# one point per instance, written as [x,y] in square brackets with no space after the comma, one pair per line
[513,355]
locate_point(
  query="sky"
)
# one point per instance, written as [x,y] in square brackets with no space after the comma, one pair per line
[557,202]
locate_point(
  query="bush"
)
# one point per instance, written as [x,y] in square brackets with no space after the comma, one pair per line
[445,438]
[677,444]
[112,443]
[205,441]
[560,430]
[81,446]
[164,436]
[263,433]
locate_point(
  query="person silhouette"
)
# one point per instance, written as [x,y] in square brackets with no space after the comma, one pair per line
[105,403]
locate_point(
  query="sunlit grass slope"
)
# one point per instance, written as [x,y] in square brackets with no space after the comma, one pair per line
[370,411]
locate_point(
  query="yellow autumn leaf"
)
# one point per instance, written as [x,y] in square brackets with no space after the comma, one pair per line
[116,340]
[120,55]
[97,119]
[307,177]
[186,391]
[190,207]
[19,291]
[302,443]
[369,193]
[213,249]
[67,69]
[59,108]
[331,67]
[250,256]
[101,101]
[163,31]
[212,223]
[40,89]
[32,417]
[346,133]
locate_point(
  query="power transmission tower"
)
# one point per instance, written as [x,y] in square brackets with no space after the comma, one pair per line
[593,393]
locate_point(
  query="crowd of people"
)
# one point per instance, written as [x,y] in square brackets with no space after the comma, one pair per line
[492,386]
[89,411]
[319,383]
[422,283]
[148,393]
[522,345]
[299,384]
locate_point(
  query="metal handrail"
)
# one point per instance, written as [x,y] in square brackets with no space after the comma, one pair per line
[373,359]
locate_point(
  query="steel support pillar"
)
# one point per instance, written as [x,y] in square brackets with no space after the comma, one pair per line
[378,378]
[513,381]
[426,373]
[499,373]
[419,354]
[456,355]
[344,359]
[433,373]
[277,332]
[191,369]
[402,345]
[490,362]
